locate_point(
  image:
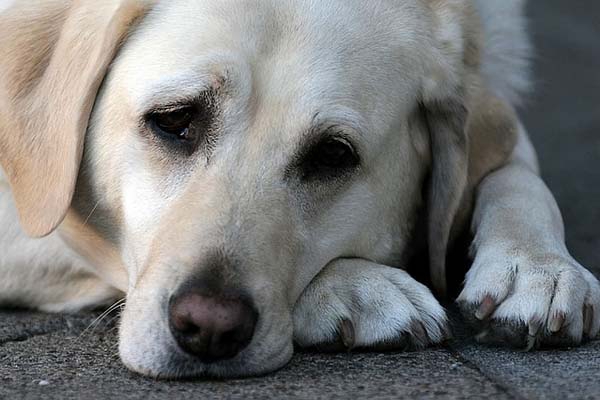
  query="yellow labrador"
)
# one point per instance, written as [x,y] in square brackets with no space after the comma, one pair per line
[253,173]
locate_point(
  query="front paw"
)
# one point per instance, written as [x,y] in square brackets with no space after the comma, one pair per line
[358,304]
[530,301]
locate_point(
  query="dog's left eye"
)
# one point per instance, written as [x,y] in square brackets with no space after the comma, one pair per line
[329,158]
[174,124]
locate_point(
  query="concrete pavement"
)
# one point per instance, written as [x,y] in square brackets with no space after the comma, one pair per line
[49,356]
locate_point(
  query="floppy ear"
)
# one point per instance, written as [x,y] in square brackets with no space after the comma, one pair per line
[446,123]
[471,131]
[53,57]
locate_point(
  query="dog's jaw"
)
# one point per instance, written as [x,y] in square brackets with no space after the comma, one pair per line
[147,347]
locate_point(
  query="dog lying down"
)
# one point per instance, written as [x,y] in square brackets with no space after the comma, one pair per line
[253,174]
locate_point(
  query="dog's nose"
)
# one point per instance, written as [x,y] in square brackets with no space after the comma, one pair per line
[211,327]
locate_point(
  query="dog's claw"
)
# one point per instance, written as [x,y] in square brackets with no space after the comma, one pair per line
[419,333]
[531,344]
[556,322]
[534,328]
[487,307]
[347,334]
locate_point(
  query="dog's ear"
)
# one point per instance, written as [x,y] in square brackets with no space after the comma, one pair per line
[471,131]
[53,57]
[469,139]
[446,123]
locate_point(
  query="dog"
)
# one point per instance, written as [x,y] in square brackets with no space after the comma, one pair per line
[250,175]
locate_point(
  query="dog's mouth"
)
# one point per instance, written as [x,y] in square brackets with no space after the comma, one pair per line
[203,333]
[166,359]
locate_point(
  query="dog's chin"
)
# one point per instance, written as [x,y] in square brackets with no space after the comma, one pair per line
[171,363]
[154,353]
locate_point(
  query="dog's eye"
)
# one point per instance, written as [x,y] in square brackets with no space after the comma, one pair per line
[333,153]
[330,157]
[175,124]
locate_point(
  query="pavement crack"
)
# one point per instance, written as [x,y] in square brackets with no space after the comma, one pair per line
[473,366]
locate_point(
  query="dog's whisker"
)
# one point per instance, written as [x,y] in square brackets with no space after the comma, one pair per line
[119,304]
[87,219]
[111,321]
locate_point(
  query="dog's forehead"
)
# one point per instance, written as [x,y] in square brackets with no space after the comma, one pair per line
[344,53]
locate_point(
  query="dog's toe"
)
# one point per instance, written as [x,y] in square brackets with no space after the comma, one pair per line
[355,304]
[536,302]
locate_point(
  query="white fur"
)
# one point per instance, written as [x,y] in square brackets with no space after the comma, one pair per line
[283,66]
[521,260]
[6,4]
[506,47]
[44,273]
[381,302]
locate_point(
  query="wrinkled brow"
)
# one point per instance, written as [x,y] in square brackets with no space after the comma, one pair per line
[178,90]
[338,119]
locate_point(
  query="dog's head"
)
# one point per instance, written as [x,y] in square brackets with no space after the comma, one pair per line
[211,157]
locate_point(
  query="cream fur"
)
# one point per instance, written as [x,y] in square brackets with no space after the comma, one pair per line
[420,86]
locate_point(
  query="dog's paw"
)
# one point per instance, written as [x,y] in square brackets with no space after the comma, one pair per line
[530,301]
[356,304]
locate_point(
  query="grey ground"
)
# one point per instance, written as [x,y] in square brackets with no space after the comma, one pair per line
[52,357]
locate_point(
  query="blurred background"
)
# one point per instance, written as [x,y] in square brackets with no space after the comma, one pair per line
[563,115]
